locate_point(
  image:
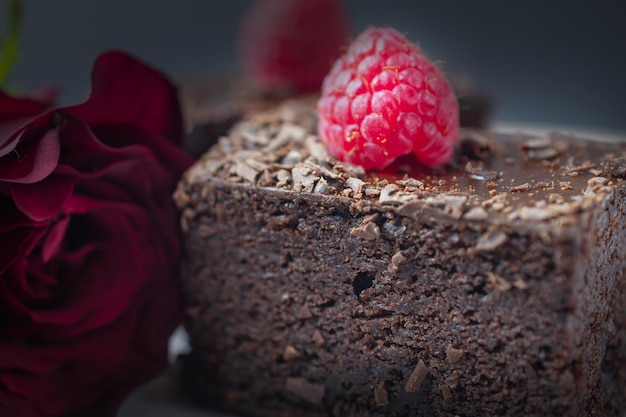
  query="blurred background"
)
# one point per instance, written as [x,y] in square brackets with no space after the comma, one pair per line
[542,61]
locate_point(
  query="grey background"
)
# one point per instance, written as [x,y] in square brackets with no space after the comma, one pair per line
[543,61]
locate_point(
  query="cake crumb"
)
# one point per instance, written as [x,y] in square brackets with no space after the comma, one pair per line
[520,284]
[520,188]
[555,198]
[306,390]
[381,396]
[317,337]
[290,353]
[398,258]
[305,312]
[445,391]
[368,231]
[595,171]
[452,381]
[454,355]
[417,377]
[499,283]
[543,185]
[565,185]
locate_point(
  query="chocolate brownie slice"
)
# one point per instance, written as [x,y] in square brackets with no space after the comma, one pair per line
[493,286]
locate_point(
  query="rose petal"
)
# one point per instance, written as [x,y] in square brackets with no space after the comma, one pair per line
[170,155]
[8,134]
[52,242]
[43,200]
[126,91]
[12,108]
[89,153]
[36,161]
[28,238]
[17,243]
[17,112]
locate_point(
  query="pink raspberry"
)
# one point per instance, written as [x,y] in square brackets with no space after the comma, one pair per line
[383,98]
[291,44]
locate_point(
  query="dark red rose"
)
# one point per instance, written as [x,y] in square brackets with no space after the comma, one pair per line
[89,242]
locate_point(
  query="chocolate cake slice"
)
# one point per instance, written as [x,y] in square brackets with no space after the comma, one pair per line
[494,286]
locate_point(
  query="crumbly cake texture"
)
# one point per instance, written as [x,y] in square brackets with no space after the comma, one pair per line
[494,286]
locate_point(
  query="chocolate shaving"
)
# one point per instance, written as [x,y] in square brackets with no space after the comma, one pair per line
[417,377]
[491,240]
[574,171]
[245,171]
[476,213]
[479,173]
[520,188]
[368,231]
[539,149]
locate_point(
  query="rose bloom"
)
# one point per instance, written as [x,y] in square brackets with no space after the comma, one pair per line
[89,242]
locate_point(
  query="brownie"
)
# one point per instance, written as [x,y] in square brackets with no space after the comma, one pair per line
[493,286]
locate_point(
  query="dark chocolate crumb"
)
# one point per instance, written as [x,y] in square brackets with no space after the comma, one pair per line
[306,390]
[417,377]
[445,391]
[381,396]
[318,339]
[491,240]
[454,355]
[452,381]
[290,353]
[305,312]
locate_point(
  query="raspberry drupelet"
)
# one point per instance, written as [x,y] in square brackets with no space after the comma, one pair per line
[383,98]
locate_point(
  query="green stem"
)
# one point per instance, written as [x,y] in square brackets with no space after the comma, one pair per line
[10,47]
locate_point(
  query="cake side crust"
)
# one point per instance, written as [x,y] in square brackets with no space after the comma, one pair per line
[503,312]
